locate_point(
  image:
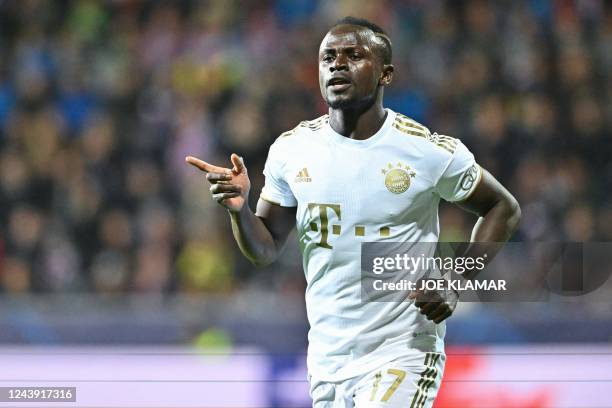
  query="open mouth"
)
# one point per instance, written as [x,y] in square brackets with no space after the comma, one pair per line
[338,83]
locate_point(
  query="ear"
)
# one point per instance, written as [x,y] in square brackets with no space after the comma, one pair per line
[387,75]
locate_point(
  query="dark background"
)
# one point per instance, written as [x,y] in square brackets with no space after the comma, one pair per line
[100,101]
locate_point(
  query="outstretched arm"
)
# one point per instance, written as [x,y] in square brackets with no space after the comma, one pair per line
[260,236]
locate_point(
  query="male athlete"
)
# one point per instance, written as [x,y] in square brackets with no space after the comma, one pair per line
[361,173]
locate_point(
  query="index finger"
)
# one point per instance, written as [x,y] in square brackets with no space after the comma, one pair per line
[206,167]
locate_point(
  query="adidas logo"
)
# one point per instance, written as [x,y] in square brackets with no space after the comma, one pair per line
[302,176]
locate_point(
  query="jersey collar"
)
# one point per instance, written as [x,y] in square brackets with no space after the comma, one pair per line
[343,140]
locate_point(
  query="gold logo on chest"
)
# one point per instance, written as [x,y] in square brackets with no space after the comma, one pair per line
[397,178]
[303,176]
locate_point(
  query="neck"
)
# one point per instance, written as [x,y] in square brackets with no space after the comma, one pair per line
[358,123]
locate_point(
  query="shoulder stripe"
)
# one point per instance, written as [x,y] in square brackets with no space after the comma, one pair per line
[409,131]
[451,150]
[449,143]
[448,140]
[410,127]
[287,133]
[405,120]
[313,125]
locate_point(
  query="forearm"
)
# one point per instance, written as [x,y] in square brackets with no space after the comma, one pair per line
[498,224]
[253,237]
[491,231]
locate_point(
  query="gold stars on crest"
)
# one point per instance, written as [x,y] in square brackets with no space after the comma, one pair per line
[399,166]
[397,178]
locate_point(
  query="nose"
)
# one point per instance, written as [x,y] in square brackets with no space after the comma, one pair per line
[339,64]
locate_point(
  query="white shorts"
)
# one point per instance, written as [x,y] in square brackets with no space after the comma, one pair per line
[408,382]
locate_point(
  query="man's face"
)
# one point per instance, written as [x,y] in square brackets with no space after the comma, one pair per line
[349,67]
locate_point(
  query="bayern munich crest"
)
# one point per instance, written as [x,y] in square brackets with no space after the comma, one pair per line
[397,177]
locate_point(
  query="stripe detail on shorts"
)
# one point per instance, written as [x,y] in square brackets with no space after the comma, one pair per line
[428,378]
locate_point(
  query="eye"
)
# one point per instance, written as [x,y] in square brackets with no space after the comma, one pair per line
[327,58]
[355,56]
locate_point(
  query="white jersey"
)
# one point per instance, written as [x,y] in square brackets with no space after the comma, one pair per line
[384,188]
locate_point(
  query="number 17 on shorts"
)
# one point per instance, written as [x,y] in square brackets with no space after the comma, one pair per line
[402,384]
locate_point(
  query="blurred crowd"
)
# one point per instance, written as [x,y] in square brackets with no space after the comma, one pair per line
[100,101]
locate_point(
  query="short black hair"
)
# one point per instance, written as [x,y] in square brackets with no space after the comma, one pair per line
[387,54]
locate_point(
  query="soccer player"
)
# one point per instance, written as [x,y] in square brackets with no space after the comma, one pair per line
[361,173]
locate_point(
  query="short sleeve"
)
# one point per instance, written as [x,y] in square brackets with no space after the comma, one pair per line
[460,176]
[276,189]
